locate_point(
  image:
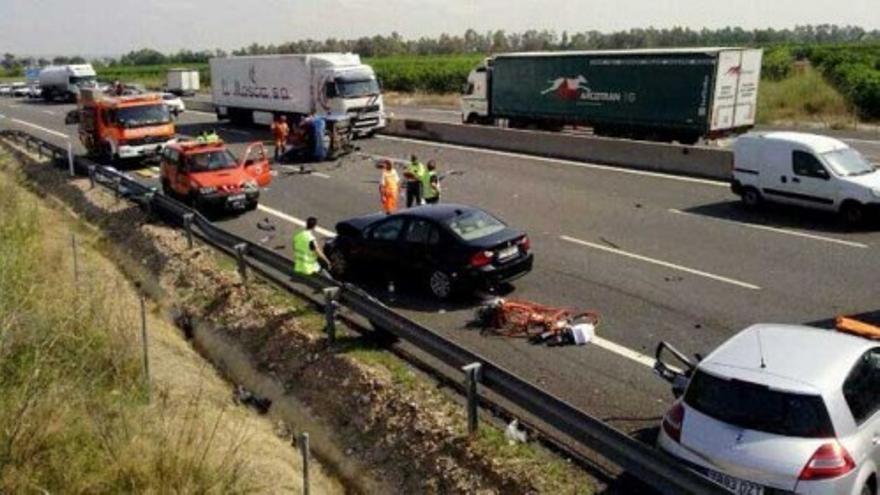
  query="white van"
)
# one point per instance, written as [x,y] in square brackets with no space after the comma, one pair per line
[806,170]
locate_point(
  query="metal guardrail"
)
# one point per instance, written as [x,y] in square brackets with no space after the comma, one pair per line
[651,466]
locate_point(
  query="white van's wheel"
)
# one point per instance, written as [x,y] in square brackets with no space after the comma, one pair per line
[853,213]
[751,197]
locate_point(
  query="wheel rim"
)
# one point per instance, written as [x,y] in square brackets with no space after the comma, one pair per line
[441,286]
[751,197]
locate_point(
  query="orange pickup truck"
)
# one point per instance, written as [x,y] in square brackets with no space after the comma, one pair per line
[207,174]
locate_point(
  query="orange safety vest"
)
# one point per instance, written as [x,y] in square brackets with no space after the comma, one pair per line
[280,130]
[389,190]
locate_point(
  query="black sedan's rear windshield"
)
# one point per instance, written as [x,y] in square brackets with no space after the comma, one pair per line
[757,407]
[475,224]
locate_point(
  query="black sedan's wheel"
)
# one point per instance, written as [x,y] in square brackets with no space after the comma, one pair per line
[339,264]
[440,284]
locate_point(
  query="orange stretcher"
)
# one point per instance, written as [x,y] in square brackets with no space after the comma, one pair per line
[524,319]
[852,326]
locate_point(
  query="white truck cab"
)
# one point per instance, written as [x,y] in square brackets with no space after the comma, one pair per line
[806,170]
[475,95]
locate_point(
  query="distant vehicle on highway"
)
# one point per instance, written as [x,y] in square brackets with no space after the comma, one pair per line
[5,90]
[659,94]
[336,86]
[806,170]
[208,175]
[182,82]
[782,409]
[174,103]
[20,89]
[64,82]
[450,248]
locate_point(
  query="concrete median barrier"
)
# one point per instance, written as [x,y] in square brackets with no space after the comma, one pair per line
[696,161]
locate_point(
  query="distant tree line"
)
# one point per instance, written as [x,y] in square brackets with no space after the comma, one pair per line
[491,42]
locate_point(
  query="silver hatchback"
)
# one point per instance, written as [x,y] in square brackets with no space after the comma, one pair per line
[782,409]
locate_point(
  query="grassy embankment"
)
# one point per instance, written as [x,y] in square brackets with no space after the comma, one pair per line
[75,416]
[804,97]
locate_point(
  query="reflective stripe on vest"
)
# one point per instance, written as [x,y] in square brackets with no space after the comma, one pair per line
[305,261]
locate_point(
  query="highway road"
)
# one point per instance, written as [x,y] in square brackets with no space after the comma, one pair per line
[660,257]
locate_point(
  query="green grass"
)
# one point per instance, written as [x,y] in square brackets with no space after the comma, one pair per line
[74,416]
[803,96]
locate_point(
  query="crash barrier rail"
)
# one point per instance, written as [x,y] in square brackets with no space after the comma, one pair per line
[695,161]
[651,466]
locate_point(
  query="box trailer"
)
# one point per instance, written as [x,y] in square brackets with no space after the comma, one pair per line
[182,81]
[671,94]
[336,86]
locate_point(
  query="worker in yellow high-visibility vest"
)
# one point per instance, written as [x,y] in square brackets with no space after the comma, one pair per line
[307,251]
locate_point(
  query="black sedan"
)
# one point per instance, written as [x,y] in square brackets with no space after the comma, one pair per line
[448,248]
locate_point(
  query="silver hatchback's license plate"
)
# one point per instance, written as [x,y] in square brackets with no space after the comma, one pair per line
[235,197]
[735,485]
[508,253]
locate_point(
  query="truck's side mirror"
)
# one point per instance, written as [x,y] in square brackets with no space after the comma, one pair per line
[72,117]
[330,89]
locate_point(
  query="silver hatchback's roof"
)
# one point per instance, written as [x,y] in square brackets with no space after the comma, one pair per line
[796,358]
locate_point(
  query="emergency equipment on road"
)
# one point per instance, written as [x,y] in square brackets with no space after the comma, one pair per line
[538,323]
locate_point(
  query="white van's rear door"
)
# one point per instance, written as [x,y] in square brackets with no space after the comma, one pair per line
[735,102]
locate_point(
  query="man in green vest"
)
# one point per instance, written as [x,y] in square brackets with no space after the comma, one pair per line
[414,173]
[431,184]
[307,251]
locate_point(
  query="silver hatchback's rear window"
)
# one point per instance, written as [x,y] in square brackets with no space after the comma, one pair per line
[757,407]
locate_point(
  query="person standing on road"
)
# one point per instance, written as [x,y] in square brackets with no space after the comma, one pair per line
[414,172]
[431,184]
[306,250]
[389,188]
[280,131]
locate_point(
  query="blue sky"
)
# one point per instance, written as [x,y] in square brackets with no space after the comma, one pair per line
[39,27]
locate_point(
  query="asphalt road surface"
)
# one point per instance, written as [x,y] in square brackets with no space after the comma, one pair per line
[660,257]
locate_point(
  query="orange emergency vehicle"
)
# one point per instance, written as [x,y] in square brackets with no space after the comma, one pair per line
[207,174]
[119,127]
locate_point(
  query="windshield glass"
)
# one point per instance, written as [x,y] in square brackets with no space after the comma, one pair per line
[757,407]
[847,161]
[83,80]
[475,224]
[357,89]
[211,160]
[143,115]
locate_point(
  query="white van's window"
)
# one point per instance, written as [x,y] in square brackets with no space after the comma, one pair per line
[807,165]
[848,161]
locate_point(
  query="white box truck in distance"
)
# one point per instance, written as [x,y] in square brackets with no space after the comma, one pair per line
[336,86]
[64,81]
[182,81]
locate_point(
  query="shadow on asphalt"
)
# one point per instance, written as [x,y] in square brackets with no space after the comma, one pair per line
[779,216]
[872,317]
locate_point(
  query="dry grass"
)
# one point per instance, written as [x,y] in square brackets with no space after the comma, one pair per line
[439,100]
[74,415]
[803,97]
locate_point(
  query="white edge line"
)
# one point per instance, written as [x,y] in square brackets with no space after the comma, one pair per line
[623,351]
[35,126]
[666,264]
[319,174]
[199,111]
[296,221]
[776,230]
[559,161]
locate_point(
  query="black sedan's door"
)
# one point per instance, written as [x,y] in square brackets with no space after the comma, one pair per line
[421,250]
[383,249]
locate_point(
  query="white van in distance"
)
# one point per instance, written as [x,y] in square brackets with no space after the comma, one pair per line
[806,170]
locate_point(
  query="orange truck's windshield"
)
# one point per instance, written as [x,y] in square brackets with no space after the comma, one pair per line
[141,116]
[211,160]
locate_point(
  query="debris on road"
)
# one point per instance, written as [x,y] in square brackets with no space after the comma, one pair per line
[515,434]
[538,323]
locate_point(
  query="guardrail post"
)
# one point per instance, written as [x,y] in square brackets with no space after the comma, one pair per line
[240,249]
[304,453]
[472,376]
[187,227]
[148,203]
[117,183]
[330,307]
[92,176]
[70,168]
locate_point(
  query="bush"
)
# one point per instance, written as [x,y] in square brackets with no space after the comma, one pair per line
[777,64]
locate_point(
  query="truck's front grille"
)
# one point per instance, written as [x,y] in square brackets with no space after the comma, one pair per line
[146,140]
[369,109]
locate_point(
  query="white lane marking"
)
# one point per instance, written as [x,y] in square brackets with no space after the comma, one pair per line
[296,221]
[557,161]
[776,230]
[666,264]
[201,112]
[319,174]
[50,112]
[35,126]
[623,351]
[864,141]
[235,131]
[437,110]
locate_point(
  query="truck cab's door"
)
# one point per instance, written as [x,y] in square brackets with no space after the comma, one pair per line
[474,98]
[171,171]
[88,128]
[256,164]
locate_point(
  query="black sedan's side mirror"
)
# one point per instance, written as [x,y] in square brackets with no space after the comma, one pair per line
[72,117]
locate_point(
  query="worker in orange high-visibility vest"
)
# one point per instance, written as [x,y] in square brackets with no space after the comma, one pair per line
[280,131]
[389,188]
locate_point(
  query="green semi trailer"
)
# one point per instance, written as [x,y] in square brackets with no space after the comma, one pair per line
[664,95]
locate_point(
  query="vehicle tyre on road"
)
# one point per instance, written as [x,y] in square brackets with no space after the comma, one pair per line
[751,197]
[441,285]
[339,265]
[852,213]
